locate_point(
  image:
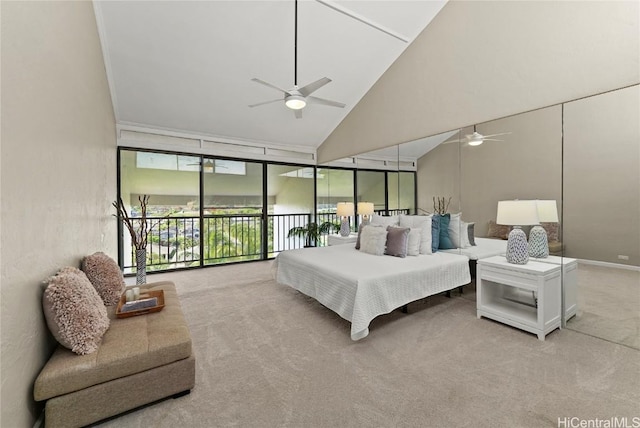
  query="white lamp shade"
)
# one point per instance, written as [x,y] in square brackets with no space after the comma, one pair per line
[344,209]
[365,208]
[547,211]
[517,213]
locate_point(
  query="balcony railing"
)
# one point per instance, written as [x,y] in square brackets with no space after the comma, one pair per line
[175,242]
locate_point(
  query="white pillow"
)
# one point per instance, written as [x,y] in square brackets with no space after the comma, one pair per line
[385,221]
[373,239]
[422,222]
[454,230]
[415,237]
[464,235]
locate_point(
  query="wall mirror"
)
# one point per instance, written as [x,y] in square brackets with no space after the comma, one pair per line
[583,154]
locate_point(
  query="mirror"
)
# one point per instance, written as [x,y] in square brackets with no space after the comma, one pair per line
[583,154]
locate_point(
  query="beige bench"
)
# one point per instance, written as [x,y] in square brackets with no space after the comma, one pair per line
[140,360]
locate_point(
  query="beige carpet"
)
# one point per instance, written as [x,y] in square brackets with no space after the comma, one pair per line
[268,356]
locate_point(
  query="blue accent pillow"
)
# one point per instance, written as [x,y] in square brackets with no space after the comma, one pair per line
[435,232]
[445,239]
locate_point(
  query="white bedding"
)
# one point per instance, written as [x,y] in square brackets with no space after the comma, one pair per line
[485,247]
[360,286]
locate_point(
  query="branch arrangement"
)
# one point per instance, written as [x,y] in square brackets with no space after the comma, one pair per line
[440,205]
[138,238]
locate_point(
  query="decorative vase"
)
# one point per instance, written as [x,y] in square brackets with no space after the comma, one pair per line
[141,266]
[517,247]
[538,243]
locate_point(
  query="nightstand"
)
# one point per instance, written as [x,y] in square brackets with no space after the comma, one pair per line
[569,284]
[340,240]
[527,297]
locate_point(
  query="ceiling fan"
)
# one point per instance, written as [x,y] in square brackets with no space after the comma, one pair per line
[477,138]
[297,98]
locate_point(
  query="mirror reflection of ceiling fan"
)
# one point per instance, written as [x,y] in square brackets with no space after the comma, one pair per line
[297,98]
[477,138]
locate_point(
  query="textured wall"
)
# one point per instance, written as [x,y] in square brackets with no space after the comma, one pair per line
[58,175]
[481,60]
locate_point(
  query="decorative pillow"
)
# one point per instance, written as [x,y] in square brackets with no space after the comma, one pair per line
[386,221]
[471,234]
[435,232]
[498,230]
[397,241]
[445,239]
[105,275]
[423,222]
[360,227]
[455,231]
[413,244]
[74,311]
[373,239]
[464,235]
[552,231]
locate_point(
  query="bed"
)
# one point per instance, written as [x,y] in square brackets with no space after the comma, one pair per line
[360,286]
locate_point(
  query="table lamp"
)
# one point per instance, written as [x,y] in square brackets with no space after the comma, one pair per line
[517,213]
[538,241]
[365,209]
[344,210]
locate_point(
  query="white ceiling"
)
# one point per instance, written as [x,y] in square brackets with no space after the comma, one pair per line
[186,66]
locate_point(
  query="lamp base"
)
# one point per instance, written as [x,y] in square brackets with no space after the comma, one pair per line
[345,228]
[538,243]
[517,247]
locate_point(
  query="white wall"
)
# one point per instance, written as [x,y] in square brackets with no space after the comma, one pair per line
[481,60]
[58,159]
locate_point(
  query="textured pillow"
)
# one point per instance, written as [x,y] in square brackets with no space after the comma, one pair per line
[455,230]
[413,242]
[498,230]
[552,231]
[397,241]
[105,276]
[74,311]
[422,222]
[373,239]
[386,221]
[435,232]
[360,227]
[471,234]
[445,239]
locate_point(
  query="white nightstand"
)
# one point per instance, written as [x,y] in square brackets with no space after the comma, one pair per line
[339,239]
[569,284]
[524,296]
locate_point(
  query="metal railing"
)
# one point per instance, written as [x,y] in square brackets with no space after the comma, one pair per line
[177,242]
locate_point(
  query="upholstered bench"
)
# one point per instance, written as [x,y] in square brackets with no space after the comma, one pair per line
[140,360]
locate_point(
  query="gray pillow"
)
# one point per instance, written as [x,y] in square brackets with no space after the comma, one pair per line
[373,239]
[397,241]
[471,232]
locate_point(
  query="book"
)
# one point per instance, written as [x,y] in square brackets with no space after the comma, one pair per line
[136,305]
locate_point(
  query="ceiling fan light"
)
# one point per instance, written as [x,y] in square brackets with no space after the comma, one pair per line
[295,102]
[475,142]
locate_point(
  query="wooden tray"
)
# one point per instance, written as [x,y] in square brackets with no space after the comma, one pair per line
[159,294]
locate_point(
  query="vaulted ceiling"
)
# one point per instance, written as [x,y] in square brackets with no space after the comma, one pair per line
[187,66]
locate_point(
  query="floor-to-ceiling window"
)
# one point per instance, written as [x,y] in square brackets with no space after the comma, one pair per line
[206,210]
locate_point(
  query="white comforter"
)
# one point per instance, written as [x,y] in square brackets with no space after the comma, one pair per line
[359,286]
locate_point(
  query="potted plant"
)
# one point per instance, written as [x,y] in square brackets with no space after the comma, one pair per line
[311,232]
[139,230]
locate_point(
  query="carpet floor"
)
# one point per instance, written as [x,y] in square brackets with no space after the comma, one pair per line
[268,356]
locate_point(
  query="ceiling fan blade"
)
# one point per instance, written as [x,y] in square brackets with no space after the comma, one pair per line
[490,139]
[495,135]
[316,100]
[255,79]
[265,102]
[311,87]
[298,113]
